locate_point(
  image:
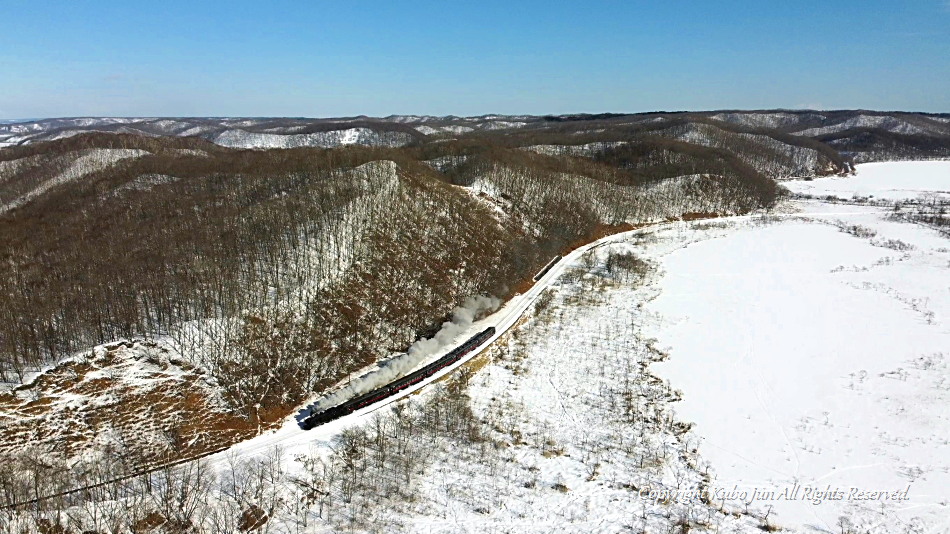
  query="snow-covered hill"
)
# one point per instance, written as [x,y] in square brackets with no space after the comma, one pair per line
[261,132]
[763,153]
[238,138]
[813,124]
[403,129]
[73,166]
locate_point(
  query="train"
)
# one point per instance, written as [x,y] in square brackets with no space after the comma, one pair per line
[547,268]
[378,394]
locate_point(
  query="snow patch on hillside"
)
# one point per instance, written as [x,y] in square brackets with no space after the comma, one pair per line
[445,163]
[502,125]
[427,130]
[767,120]
[890,124]
[364,136]
[94,398]
[90,161]
[774,158]
[14,166]
[436,130]
[457,129]
[585,150]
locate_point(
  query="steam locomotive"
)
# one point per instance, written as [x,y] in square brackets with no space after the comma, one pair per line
[547,268]
[391,389]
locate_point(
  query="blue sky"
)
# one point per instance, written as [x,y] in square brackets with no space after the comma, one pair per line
[318,58]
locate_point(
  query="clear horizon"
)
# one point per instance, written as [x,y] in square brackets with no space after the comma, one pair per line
[283,59]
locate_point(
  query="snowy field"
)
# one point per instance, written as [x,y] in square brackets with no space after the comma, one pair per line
[812,353]
[885,181]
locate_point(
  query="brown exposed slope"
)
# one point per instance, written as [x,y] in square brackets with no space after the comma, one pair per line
[135,403]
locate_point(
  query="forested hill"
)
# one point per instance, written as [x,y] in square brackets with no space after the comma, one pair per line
[272,257]
[859,134]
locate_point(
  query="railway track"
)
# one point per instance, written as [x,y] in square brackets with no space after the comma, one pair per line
[292,434]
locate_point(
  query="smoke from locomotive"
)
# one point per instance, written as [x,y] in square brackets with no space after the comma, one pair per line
[462,318]
[319,417]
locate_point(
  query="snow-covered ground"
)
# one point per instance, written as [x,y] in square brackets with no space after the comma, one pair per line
[886,181]
[812,353]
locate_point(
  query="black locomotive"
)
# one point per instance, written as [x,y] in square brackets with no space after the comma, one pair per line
[547,268]
[391,389]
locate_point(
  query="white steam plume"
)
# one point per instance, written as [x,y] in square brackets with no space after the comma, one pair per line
[462,318]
